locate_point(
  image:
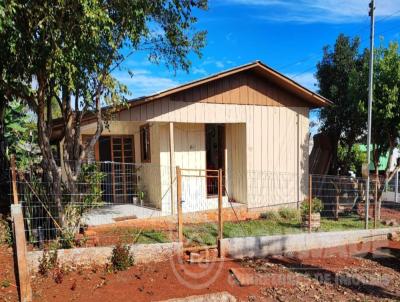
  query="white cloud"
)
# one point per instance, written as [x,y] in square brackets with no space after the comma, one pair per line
[306,79]
[320,11]
[142,84]
[200,71]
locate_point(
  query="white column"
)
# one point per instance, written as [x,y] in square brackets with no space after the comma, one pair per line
[172,167]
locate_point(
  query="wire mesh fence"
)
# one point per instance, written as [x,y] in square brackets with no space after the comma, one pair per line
[111,202]
[104,193]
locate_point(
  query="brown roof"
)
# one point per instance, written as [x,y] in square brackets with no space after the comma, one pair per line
[314,99]
[308,96]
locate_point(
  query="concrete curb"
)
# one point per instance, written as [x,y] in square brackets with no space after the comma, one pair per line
[142,253]
[238,248]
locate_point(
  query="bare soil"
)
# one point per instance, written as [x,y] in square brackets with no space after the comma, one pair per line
[359,272]
[8,287]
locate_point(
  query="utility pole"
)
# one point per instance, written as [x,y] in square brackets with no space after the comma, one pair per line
[370,97]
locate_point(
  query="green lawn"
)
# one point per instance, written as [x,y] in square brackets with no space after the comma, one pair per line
[207,233]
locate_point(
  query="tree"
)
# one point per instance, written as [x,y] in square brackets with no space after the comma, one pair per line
[341,79]
[65,52]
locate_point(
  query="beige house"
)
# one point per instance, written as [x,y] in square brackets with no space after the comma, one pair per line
[250,121]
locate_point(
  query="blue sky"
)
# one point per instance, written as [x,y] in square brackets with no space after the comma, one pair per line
[287,35]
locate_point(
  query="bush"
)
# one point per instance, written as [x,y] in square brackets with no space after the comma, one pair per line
[316,206]
[121,258]
[270,215]
[5,232]
[48,262]
[288,213]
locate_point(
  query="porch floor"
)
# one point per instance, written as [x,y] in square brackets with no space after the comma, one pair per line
[110,213]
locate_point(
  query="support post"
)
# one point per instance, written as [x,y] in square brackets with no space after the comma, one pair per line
[179,203]
[220,219]
[376,214]
[172,165]
[370,100]
[309,203]
[24,282]
[396,189]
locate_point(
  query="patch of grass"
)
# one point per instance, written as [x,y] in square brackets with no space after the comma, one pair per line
[270,215]
[207,233]
[201,234]
[289,213]
[133,235]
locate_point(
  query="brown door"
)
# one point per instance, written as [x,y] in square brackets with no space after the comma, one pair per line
[117,156]
[215,155]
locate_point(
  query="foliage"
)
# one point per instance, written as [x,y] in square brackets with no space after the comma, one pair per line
[341,76]
[270,215]
[65,53]
[20,135]
[90,197]
[121,258]
[316,206]
[48,261]
[354,158]
[386,104]
[288,213]
[5,232]
[206,233]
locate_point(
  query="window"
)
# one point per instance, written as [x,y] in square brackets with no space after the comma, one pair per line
[145,143]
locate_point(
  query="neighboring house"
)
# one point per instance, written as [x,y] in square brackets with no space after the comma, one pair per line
[250,121]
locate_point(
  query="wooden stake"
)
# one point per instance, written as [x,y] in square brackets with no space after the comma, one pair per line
[309,203]
[220,220]
[179,202]
[24,282]
[14,179]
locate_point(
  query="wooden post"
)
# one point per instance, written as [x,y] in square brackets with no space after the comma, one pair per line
[14,179]
[376,202]
[337,199]
[220,219]
[24,282]
[172,165]
[179,202]
[309,203]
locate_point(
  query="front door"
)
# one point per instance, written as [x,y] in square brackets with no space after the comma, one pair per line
[117,156]
[215,155]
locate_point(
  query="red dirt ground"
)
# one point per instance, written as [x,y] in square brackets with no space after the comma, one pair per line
[333,274]
[8,288]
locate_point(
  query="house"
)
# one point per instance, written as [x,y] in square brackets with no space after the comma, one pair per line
[250,121]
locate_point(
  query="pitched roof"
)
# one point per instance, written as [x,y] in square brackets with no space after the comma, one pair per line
[314,99]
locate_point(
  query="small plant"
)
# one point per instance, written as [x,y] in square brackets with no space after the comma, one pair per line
[270,215]
[48,262]
[5,283]
[316,206]
[5,232]
[288,213]
[121,258]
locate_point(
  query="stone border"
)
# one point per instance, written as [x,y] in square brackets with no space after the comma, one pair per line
[142,253]
[241,247]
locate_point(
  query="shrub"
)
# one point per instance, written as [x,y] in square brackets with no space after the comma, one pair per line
[48,261]
[5,232]
[288,213]
[316,206]
[270,215]
[121,258]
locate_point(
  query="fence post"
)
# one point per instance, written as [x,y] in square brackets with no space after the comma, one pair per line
[220,220]
[309,203]
[376,202]
[396,192]
[179,202]
[24,283]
